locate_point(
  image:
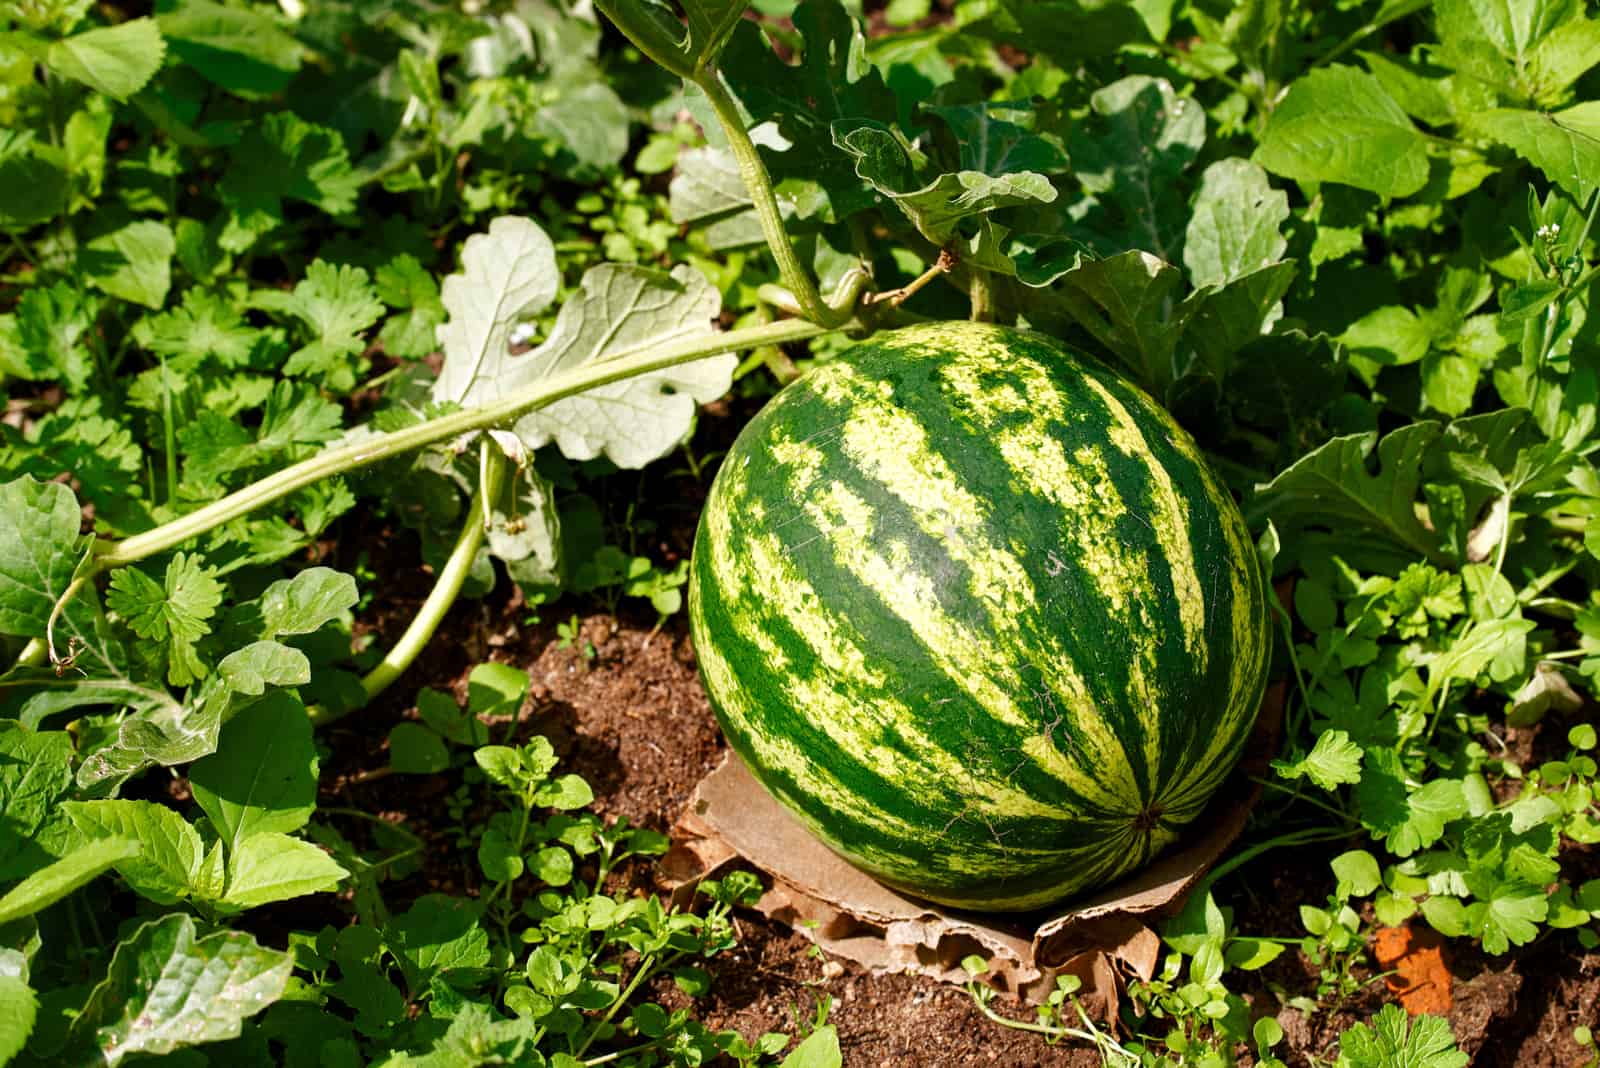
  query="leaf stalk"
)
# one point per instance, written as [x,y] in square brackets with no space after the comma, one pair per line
[440,599]
[758,183]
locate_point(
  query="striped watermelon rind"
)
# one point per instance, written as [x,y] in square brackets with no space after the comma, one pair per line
[977,613]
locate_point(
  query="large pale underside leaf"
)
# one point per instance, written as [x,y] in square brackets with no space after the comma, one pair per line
[506,275]
[509,274]
[622,311]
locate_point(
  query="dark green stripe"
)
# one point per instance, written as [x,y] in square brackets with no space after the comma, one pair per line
[1189,720]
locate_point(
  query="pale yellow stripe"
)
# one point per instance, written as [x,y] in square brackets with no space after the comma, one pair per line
[1246,639]
[1250,634]
[857,727]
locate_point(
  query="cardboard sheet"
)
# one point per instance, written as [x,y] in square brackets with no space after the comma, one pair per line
[847,913]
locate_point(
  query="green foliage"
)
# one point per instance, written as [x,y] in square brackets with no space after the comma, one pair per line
[1350,246]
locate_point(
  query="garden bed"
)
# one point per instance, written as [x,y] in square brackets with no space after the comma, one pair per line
[633,719]
[364,380]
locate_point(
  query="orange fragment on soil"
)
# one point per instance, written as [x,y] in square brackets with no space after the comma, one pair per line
[1421,978]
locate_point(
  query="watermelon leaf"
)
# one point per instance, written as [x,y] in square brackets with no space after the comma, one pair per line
[1332,486]
[620,311]
[833,80]
[1138,140]
[888,163]
[507,274]
[1235,226]
[1130,304]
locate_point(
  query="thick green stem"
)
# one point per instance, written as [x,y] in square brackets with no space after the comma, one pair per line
[380,447]
[446,588]
[759,185]
[650,38]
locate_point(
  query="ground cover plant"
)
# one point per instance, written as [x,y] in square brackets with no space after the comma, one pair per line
[349,348]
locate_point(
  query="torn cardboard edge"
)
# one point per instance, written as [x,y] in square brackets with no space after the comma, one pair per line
[731,817]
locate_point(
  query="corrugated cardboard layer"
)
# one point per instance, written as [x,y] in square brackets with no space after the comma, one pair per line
[849,914]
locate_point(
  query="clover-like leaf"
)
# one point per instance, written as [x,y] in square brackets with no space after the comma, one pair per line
[337,304]
[1506,913]
[174,612]
[283,157]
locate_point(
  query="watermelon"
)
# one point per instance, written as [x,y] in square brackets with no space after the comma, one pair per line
[976,611]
